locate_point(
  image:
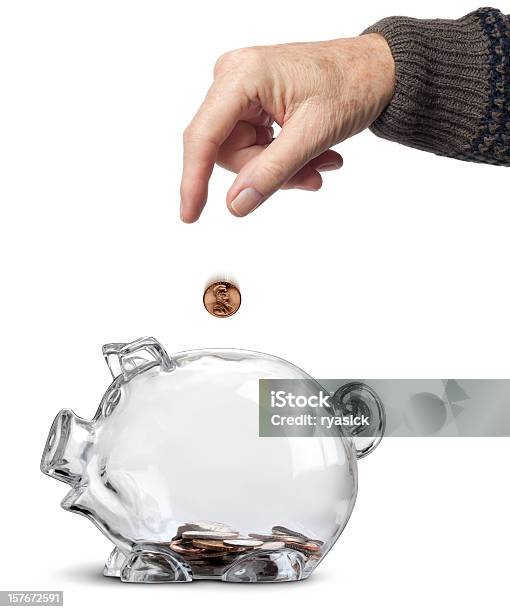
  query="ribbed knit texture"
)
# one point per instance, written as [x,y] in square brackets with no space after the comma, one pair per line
[452,94]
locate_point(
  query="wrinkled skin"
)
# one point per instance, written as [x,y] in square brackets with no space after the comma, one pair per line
[319,93]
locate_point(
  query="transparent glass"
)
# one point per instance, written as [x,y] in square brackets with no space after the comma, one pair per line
[173,471]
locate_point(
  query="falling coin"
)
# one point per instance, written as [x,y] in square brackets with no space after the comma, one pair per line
[222,299]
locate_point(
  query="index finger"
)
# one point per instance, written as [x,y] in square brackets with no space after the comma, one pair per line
[209,128]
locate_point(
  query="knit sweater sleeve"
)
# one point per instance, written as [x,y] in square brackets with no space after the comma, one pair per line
[452,92]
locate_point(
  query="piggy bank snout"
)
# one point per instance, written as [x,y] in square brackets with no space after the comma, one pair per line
[64,456]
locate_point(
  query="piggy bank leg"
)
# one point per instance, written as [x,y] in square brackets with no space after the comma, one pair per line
[282,566]
[114,563]
[154,563]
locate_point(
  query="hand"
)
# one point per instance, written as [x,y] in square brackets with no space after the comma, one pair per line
[319,93]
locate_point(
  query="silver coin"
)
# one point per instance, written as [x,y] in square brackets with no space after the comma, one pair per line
[272,546]
[210,526]
[260,536]
[210,535]
[246,542]
[287,538]
[188,527]
[278,530]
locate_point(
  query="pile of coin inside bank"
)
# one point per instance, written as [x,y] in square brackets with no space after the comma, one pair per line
[213,546]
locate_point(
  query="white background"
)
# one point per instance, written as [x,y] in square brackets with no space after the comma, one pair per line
[397,268]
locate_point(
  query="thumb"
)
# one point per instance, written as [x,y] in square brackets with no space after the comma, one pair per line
[271,169]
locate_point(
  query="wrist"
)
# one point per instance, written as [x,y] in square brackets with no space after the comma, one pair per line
[367,70]
[381,67]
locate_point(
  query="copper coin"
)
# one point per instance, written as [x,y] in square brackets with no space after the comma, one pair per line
[222,299]
[214,545]
[184,549]
[308,547]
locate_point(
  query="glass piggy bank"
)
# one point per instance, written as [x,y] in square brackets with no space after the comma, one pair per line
[174,471]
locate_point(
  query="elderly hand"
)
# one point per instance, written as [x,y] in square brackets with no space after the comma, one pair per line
[319,93]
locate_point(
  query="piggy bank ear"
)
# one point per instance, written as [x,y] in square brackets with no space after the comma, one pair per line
[365,414]
[129,359]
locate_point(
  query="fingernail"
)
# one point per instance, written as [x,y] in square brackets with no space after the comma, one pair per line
[328,167]
[180,212]
[307,188]
[246,201]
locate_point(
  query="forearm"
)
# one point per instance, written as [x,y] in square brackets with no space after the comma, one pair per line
[452,94]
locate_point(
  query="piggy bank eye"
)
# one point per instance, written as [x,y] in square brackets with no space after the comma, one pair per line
[110,400]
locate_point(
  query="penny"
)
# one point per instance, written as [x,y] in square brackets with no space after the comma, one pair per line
[312,548]
[222,299]
[216,545]
[213,555]
[289,539]
[178,547]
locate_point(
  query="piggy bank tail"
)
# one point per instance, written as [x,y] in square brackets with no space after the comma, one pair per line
[363,416]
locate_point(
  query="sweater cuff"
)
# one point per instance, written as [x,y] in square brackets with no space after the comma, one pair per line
[452,92]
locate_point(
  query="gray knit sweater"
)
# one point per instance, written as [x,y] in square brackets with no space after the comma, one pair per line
[452,94]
